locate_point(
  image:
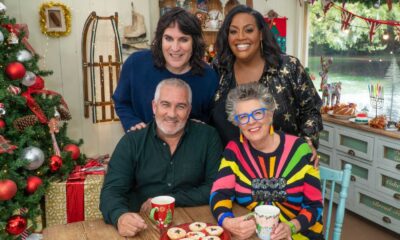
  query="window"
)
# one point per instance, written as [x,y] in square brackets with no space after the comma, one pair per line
[352,59]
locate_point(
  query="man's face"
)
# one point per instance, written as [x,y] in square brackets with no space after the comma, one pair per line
[171,110]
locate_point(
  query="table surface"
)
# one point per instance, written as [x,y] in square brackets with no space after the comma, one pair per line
[97,229]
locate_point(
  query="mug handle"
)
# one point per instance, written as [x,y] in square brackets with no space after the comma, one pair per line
[249,216]
[152,212]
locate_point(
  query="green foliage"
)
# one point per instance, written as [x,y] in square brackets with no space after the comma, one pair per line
[12,165]
[326,33]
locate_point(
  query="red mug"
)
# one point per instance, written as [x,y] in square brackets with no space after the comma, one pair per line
[162,210]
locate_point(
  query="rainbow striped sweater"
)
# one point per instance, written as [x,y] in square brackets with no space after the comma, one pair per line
[284,178]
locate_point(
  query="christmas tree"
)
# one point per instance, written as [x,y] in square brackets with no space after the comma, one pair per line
[393,77]
[34,147]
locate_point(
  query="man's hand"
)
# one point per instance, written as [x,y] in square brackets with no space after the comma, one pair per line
[314,157]
[146,206]
[138,126]
[240,227]
[129,224]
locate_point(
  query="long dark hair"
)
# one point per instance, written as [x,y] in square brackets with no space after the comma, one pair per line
[188,24]
[271,50]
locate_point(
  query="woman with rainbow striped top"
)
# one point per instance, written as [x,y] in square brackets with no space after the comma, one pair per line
[266,167]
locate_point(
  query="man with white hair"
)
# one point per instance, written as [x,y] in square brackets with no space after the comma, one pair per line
[171,156]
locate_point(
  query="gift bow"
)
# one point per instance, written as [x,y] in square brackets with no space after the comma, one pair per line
[18,29]
[91,167]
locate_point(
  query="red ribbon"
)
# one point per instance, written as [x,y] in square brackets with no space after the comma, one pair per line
[75,188]
[35,108]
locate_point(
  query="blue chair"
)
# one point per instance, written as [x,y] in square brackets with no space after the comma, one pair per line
[329,179]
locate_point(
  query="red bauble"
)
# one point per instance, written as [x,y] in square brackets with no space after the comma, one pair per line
[8,189]
[2,124]
[39,83]
[16,225]
[55,163]
[32,184]
[75,151]
[15,70]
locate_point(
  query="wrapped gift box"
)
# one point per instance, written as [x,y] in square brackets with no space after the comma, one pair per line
[77,199]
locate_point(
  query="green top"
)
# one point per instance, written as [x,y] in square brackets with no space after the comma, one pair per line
[142,167]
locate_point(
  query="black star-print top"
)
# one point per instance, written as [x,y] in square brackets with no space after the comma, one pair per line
[297,101]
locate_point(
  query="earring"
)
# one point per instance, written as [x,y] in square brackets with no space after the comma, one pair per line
[271,130]
[241,136]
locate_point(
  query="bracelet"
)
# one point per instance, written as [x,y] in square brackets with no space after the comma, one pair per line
[292,227]
[223,216]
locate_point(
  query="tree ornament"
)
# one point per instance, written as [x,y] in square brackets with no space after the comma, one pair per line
[34,156]
[5,146]
[2,109]
[55,163]
[12,38]
[32,184]
[1,37]
[8,189]
[2,124]
[74,150]
[16,225]
[14,90]
[29,79]
[23,122]
[3,8]
[39,84]
[24,55]
[15,70]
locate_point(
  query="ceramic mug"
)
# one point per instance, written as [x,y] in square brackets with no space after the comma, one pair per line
[267,219]
[162,210]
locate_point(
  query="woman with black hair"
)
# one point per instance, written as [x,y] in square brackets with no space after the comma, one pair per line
[176,52]
[248,52]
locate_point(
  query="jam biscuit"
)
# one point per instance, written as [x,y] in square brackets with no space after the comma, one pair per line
[195,235]
[176,233]
[214,230]
[211,238]
[197,226]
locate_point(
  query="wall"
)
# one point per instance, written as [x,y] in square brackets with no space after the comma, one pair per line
[63,55]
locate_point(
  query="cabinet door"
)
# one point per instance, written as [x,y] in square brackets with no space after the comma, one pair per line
[362,174]
[388,154]
[377,209]
[326,156]
[388,183]
[326,136]
[354,143]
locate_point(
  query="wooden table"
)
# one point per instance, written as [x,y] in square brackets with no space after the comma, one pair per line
[98,230]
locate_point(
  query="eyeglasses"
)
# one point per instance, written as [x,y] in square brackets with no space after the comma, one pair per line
[244,118]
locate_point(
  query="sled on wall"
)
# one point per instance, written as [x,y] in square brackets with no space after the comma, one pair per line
[101,65]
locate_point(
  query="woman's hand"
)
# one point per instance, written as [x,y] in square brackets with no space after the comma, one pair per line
[314,157]
[282,231]
[240,227]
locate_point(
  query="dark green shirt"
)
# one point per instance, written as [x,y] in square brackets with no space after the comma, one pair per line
[142,167]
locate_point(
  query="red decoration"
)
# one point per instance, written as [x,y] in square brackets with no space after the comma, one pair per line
[16,225]
[5,146]
[74,150]
[55,163]
[32,184]
[38,85]
[8,189]
[347,17]
[2,124]
[17,29]
[15,70]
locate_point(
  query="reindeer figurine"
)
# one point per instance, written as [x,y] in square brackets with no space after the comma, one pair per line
[330,91]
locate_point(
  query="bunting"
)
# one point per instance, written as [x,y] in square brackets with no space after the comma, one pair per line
[347,17]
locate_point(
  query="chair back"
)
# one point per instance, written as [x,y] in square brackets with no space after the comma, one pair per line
[329,180]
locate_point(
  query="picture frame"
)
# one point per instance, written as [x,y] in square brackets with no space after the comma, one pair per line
[55,19]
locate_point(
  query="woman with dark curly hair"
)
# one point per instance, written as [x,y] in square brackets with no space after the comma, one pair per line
[248,52]
[176,52]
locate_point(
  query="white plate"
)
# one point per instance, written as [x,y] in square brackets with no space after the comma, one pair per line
[353,120]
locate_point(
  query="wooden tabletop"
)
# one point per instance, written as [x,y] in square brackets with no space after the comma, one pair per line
[367,128]
[97,229]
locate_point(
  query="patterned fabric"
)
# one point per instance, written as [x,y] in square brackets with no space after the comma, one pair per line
[302,200]
[298,103]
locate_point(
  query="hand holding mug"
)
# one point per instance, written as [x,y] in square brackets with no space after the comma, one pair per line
[267,219]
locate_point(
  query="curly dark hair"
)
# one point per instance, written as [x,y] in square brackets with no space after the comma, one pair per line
[271,50]
[188,24]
